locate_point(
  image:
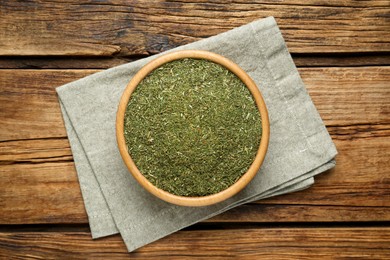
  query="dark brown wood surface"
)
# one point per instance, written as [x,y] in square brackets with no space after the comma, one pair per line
[128,28]
[342,49]
[247,243]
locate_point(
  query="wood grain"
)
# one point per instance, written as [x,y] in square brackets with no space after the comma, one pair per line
[39,193]
[52,186]
[265,243]
[350,96]
[49,192]
[29,102]
[289,213]
[99,62]
[361,176]
[343,96]
[127,28]
[35,151]
[40,184]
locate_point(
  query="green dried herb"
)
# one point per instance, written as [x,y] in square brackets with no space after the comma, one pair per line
[192,127]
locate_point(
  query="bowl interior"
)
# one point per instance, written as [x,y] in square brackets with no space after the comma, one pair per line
[182,200]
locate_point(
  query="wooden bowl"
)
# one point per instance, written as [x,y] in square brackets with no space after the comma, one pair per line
[164,195]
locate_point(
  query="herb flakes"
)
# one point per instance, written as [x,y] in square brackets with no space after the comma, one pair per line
[192,127]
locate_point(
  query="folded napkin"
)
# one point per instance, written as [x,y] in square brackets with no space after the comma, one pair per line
[300,146]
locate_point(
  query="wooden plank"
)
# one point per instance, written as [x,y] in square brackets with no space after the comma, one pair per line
[65,62]
[145,27]
[283,213]
[29,102]
[361,176]
[343,96]
[265,243]
[35,151]
[350,96]
[40,193]
[96,62]
[40,186]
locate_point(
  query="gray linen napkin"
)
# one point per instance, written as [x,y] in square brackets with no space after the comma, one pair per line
[300,146]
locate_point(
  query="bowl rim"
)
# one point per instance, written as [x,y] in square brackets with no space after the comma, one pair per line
[244,179]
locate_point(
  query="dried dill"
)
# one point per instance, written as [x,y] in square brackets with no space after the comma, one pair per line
[192,127]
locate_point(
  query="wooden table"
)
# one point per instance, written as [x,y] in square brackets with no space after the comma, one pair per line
[342,50]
